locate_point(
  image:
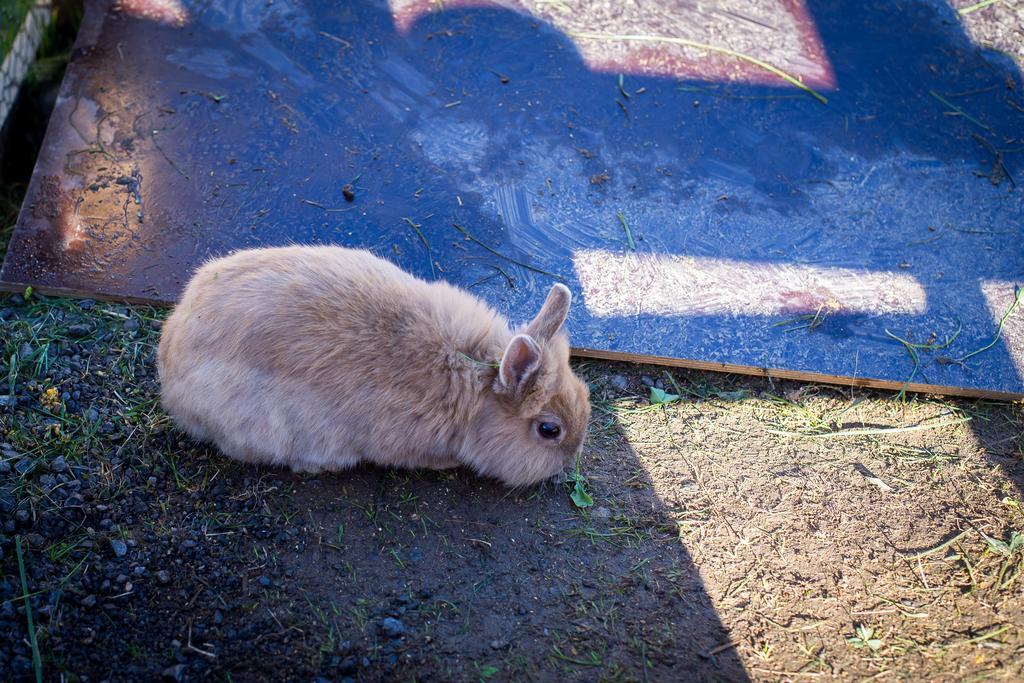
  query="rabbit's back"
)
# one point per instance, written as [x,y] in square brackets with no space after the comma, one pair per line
[318,357]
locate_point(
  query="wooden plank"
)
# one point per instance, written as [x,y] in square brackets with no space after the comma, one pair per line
[704,210]
[799,376]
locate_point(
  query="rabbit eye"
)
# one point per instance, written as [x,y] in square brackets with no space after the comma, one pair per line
[549,430]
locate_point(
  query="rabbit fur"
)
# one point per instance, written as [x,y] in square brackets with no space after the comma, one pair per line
[319,358]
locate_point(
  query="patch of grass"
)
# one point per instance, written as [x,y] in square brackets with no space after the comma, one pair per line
[37,665]
[360,616]
[590,658]
[1011,553]
[621,531]
[12,14]
[915,455]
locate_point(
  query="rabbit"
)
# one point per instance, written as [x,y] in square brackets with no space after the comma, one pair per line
[319,358]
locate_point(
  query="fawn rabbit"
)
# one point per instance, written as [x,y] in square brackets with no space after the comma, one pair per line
[319,358]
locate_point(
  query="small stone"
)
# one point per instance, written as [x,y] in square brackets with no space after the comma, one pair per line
[59,464]
[22,516]
[265,581]
[347,666]
[25,350]
[348,192]
[130,325]
[119,547]
[151,481]
[187,544]
[619,382]
[92,415]
[89,601]
[24,466]
[601,512]
[139,571]
[79,330]
[6,400]
[163,576]
[218,617]
[7,502]
[647,381]
[392,628]
[86,304]
[499,644]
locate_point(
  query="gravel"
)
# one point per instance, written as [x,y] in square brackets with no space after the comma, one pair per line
[119,547]
[392,628]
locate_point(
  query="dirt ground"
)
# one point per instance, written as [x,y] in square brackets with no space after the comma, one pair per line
[746,530]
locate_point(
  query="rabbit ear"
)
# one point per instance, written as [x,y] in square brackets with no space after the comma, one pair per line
[552,313]
[519,362]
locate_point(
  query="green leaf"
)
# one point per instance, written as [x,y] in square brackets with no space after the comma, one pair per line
[865,638]
[997,546]
[660,396]
[580,496]
[1016,542]
[487,671]
[28,293]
